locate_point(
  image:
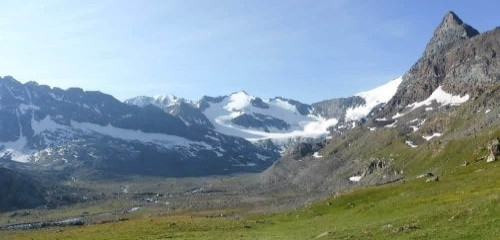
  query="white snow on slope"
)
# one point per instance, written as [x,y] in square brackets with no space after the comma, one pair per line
[355,178]
[411,144]
[20,152]
[47,124]
[161,101]
[441,97]
[16,149]
[220,115]
[374,97]
[317,155]
[398,115]
[238,101]
[131,135]
[427,138]
[27,107]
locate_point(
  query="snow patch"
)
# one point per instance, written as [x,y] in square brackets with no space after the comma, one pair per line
[219,154]
[355,178]
[17,150]
[222,113]
[427,138]
[317,155]
[238,101]
[262,157]
[392,125]
[441,97]
[24,108]
[128,134]
[411,144]
[374,97]
[398,115]
[46,124]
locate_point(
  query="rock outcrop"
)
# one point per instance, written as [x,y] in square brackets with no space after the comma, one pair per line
[457,58]
[493,150]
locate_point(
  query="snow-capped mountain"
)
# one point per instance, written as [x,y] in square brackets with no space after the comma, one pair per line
[161,101]
[458,65]
[253,118]
[184,109]
[278,119]
[74,129]
[450,95]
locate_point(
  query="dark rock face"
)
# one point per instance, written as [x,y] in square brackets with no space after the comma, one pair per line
[449,31]
[206,100]
[190,115]
[336,108]
[19,191]
[178,107]
[260,121]
[303,149]
[457,58]
[302,108]
[257,102]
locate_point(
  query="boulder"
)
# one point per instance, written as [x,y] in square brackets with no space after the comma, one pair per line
[491,157]
[432,179]
[494,150]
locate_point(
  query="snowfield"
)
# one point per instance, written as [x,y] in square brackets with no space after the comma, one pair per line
[427,138]
[411,144]
[20,151]
[221,115]
[355,178]
[441,97]
[374,97]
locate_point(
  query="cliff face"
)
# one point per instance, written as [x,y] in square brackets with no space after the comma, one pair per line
[451,29]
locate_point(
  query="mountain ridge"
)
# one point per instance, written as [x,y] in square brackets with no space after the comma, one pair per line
[70,129]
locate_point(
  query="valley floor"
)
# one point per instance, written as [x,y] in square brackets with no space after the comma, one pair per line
[463,204]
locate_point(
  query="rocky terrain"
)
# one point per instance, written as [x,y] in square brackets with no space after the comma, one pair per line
[458,74]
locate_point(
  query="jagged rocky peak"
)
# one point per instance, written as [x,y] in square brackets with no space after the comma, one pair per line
[161,101]
[451,29]
[168,99]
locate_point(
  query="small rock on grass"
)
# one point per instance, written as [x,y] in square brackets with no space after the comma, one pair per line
[432,179]
[324,234]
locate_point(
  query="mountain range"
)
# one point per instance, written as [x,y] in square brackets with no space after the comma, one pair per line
[77,134]
[82,131]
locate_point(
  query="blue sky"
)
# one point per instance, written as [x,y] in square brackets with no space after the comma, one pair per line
[305,50]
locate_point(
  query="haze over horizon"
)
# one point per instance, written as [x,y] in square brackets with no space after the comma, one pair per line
[190,48]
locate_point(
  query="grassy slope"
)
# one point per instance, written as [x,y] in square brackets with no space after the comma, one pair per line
[464,204]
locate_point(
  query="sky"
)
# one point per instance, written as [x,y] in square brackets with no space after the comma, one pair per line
[304,50]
